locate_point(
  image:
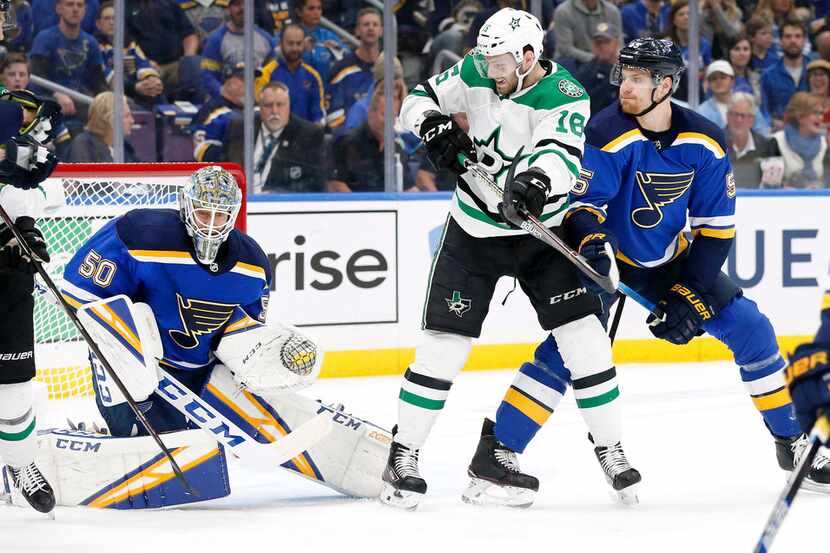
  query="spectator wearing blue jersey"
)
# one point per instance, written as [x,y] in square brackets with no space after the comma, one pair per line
[352,76]
[323,47]
[721,79]
[304,82]
[212,125]
[69,56]
[20,39]
[44,15]
[225,48]
[764,53]
[205,15]
[644,18]
[141,80]
[786,77]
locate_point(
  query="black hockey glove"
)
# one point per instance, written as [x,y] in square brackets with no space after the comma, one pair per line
[27,162]
[48,121]
[808,377]
[593,248]
[444,140]
[527,191]
[12,255]
[680,315]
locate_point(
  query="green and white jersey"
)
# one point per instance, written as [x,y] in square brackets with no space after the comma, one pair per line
[548,119]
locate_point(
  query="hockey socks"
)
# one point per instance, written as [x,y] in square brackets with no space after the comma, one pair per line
[17,424]
[420,401]
[528,403]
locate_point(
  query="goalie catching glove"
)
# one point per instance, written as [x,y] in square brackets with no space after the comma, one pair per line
[271,358]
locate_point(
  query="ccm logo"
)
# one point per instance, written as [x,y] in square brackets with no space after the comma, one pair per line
[432,133]
[75,445]
[569,295]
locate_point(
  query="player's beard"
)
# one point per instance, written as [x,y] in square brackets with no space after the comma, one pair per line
[631,105]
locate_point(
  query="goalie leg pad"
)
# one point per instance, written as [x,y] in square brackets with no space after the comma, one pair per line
[128,337]
[350,459]
[106,472]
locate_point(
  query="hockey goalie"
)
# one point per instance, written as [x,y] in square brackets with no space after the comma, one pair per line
[176,302]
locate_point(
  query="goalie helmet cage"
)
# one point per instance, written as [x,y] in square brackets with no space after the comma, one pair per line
[80,199]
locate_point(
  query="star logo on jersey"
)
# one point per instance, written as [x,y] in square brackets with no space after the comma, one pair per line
[514,23]
[199,317]
[659,190]
[457,304]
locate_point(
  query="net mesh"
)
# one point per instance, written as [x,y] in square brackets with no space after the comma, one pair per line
[77,207]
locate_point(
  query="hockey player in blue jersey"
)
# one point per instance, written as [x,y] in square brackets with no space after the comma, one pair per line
[181,296]
[25,123]
[649,166]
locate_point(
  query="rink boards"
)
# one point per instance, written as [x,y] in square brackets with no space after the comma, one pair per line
[352,270]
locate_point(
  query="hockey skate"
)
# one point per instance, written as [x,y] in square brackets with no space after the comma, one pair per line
[789,452]
[33,487]
[403,486]
[622,477]
[495,477]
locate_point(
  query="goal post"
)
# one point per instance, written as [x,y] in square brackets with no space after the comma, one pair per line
[80,199]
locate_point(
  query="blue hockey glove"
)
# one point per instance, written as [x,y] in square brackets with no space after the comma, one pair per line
[598,249]
[27,162]
[444,140]
[808,377]
[680,315]
[528,190]
[12,256]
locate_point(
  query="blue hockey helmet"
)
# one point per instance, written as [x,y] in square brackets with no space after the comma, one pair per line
[660,57]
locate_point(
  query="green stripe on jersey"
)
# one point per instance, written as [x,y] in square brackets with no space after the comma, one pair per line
[419,401]
[601,399]
[17,436]
[574,170]
[479,215]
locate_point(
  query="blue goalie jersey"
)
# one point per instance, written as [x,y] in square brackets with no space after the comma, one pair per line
[642,186]
[148,256]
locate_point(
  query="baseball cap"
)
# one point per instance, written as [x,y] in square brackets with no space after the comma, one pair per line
[720,66]
[603,29]
[239,69]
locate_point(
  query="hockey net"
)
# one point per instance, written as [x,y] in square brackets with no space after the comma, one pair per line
[80,199]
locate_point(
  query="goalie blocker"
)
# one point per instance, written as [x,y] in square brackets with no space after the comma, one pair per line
[256,411]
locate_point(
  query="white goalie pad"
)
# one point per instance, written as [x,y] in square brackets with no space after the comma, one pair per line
[128,337]
[271,358]
[350,458]
[104,472]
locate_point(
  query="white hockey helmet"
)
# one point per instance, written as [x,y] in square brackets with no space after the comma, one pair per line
[210,193]
[508,31]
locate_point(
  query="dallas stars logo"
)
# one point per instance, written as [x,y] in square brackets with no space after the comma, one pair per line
[514,23]
[457,304]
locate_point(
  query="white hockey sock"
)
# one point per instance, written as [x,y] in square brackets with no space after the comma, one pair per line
[18,441]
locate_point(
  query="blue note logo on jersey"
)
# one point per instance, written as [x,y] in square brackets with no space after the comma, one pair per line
[659,190]
[199,317]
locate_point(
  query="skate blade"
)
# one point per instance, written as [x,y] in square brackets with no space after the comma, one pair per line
[626,496]
[814,486]
[482,492]
[400,499]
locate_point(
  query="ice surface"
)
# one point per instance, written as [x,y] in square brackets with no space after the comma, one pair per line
[708,464]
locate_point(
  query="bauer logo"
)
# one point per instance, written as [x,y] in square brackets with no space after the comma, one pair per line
[331,268]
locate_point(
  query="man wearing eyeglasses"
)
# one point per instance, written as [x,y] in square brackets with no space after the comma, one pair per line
[756,160]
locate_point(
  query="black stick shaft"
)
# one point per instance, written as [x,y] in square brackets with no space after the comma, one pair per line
[38,265]
[615,323]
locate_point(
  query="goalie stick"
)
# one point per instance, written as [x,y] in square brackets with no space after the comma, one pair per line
[538,230]
[37,263]
[819,435]
[233,438]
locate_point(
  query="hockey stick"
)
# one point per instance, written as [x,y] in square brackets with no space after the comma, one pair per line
[615,323]
[232,437]
[37,263]
[538,230]
[818,436]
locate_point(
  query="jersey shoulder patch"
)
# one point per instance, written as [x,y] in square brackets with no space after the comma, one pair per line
[611,130]
[554,90]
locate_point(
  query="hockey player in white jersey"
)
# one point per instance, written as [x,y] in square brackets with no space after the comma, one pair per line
[515,101]
[177,302]
[24,163]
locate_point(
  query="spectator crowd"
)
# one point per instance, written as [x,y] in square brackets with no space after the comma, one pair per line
[764,78]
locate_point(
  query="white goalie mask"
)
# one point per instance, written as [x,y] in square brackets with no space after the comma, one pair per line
[209,204]
[501,44]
